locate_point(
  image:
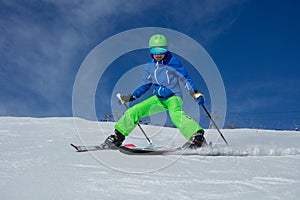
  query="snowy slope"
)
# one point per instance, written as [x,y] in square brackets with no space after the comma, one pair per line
[37,162]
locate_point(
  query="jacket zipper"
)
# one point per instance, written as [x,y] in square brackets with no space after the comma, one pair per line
[168,76]
[155,76]
[156,68]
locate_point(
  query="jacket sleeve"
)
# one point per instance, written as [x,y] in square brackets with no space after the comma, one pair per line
[182,73]
[146,83]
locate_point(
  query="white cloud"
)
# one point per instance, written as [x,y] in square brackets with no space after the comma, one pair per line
[41,40]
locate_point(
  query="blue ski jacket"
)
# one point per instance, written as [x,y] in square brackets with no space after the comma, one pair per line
[165,75]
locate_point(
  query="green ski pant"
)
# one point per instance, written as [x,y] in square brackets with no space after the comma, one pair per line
[153,105]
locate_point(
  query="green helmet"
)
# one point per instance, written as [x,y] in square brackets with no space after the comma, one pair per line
[158,40]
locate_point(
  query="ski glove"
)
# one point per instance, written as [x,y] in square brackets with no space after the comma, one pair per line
[127,98]
[197,96]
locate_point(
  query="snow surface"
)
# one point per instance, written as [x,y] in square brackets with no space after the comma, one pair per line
[37,162]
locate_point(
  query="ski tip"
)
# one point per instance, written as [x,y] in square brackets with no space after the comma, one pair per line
[79,148]
[74,146]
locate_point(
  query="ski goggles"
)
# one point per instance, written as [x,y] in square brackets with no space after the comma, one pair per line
[158,50]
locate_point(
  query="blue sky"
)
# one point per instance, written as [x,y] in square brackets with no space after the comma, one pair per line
[255,45]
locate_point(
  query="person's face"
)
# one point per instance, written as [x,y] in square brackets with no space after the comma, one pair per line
[158,57]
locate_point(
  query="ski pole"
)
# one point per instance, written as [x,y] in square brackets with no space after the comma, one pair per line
[124,103]
[214,124]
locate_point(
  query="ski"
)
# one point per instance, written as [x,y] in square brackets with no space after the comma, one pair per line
[131,149]
[145,151]
[87,148]
[204,151]
[81,148]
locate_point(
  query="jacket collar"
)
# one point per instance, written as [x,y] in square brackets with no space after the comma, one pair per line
[166,59]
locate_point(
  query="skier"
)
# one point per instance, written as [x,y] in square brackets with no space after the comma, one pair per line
[164,71]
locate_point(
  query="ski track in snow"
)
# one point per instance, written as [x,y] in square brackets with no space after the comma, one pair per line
[37,162]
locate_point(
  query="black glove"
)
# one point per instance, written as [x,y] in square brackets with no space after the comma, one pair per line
[197,96]
[127,98]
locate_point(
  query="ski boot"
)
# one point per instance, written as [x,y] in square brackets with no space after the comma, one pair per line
[196,141]
[113,141]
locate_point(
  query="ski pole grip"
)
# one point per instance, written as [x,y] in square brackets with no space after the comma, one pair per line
[120,98]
